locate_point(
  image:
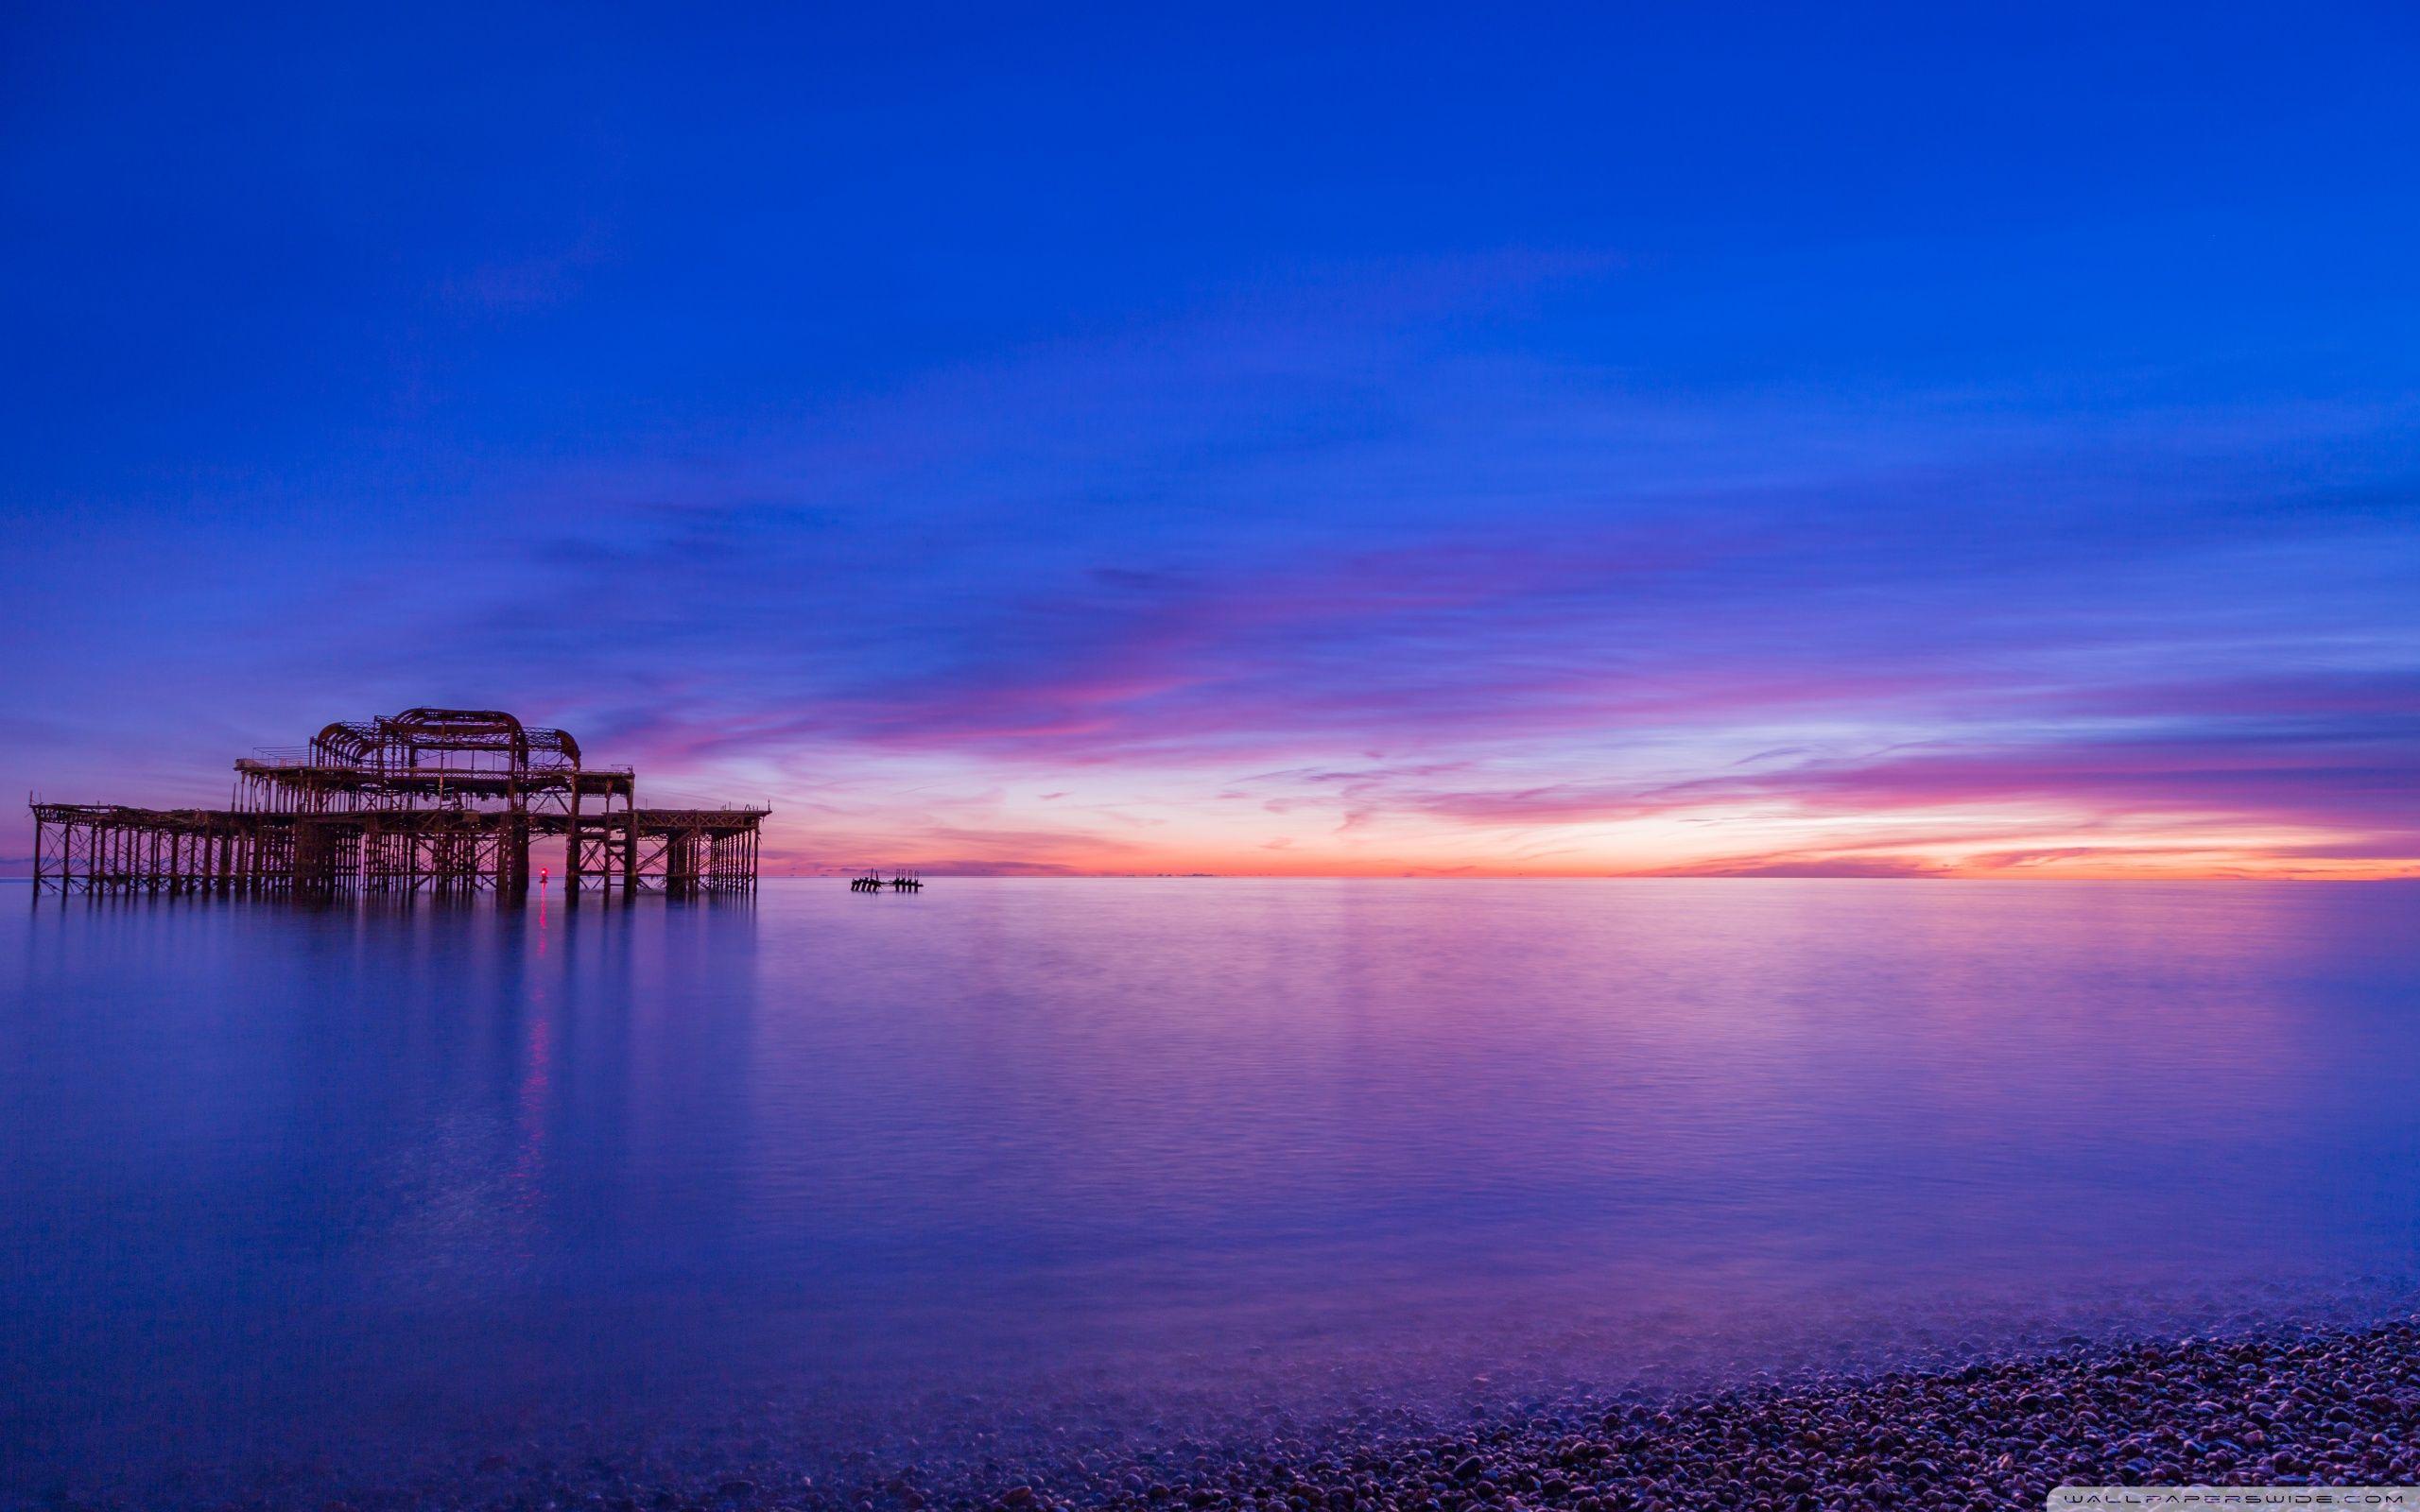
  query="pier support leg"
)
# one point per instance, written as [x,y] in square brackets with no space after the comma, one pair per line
[571,849]
[513,859]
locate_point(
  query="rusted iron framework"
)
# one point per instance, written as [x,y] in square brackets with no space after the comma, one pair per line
[443,800]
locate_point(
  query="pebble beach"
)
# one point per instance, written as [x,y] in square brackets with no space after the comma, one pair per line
[2312,1405]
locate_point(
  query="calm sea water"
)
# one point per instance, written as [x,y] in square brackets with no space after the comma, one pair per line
[318,1191]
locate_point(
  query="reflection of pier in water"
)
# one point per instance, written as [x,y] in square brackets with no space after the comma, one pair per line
[446,800]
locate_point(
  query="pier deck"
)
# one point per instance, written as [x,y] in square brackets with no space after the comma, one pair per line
[431,800]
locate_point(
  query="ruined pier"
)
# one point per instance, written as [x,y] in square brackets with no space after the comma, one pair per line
[441,801]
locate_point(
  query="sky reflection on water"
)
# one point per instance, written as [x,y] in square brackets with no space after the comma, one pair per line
[297,1185]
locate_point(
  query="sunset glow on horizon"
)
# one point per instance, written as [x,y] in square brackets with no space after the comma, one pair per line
[1940,448]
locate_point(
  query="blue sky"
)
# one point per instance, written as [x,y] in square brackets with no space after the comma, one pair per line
[1902,440]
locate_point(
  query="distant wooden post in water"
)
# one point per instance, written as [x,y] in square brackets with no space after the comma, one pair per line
[445,800]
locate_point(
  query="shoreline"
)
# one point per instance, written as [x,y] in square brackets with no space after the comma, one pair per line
[2313,1403]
